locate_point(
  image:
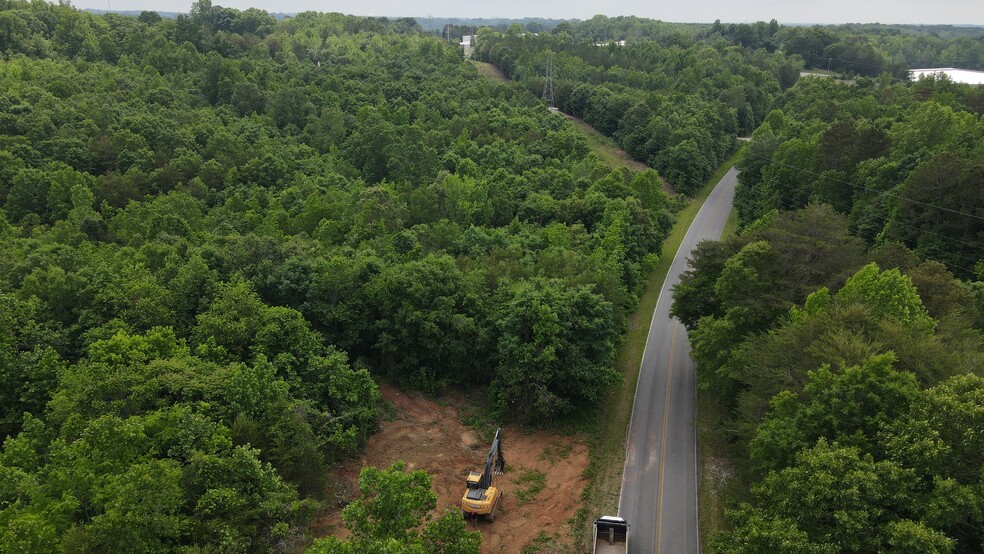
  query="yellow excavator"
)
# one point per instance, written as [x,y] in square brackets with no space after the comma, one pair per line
[482,497]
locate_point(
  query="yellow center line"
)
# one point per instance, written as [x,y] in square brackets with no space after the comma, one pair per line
[662,447]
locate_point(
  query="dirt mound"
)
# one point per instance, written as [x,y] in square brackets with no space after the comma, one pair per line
[542,483]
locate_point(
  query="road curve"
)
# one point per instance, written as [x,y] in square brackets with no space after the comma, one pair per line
[659,482]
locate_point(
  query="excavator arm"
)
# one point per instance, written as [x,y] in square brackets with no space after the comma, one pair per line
[495,463]
[482,496]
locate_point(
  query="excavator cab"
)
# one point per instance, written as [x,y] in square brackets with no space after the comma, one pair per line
[481,496]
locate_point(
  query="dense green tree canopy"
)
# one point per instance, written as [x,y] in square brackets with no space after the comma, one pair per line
[675,105]
[843,309]
[216,230]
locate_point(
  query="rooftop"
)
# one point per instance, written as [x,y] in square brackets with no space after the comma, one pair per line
[956,75]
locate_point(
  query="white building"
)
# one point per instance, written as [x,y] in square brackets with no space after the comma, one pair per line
[956,75]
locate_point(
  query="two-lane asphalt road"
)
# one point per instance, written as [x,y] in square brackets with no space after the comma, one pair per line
[659,483]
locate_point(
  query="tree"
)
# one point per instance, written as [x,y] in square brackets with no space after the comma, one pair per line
[392,504]
[426,322]
[555,350]
[388,516]
[694,295]
[843,500]
[233,319]
[889,293]
[149,17]
[29,363]
[142,509]
[290,105]
[940,211]
[850,407]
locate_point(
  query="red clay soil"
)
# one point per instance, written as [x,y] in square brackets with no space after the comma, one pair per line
[430,436]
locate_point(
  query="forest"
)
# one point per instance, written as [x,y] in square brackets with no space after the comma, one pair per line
[220,231]
[855,49]
[841,330]
[677,106]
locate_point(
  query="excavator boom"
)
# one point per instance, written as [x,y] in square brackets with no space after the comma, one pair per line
[482,496]
[494,463]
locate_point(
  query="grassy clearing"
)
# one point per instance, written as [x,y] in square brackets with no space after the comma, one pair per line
[533,482]
[605,148]
[490,71]
[731,225]
[608,448]
[556,451]
[543,544]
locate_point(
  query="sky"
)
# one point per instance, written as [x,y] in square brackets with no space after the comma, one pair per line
[957,12]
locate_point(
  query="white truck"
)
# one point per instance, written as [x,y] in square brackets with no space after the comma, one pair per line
[611,535]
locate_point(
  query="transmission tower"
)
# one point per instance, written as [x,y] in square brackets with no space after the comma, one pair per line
[548,88]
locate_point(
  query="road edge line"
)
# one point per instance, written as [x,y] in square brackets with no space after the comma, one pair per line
[652,319]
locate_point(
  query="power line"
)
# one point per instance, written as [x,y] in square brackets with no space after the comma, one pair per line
[548,93]
[872,238]
[866,189]
[885,232]
[548,84]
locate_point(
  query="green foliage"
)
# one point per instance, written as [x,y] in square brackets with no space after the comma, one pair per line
[388,516]
[901,160]
[825,384]
[215,228]
[533,482]
[889,293]
[849,407]
[843,501]
[555,350]
[393,503]
[758,532]
[426,324]
[672,102]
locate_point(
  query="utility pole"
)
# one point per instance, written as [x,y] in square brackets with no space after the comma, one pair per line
[548,85]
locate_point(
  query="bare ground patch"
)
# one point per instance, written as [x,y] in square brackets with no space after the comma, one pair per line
[430,435]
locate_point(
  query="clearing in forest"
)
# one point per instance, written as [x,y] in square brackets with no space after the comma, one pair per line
[607,151]
[542,484]
[492,72]
[604,147]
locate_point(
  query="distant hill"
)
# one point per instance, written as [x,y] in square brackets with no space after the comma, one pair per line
[535,24]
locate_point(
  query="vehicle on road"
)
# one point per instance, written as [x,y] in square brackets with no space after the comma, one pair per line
[482,496]
[611,535]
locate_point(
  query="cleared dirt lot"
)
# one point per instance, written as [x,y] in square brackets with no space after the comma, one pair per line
[430,435]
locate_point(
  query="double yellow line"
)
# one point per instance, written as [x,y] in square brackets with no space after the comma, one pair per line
[669,381]
[662,447]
